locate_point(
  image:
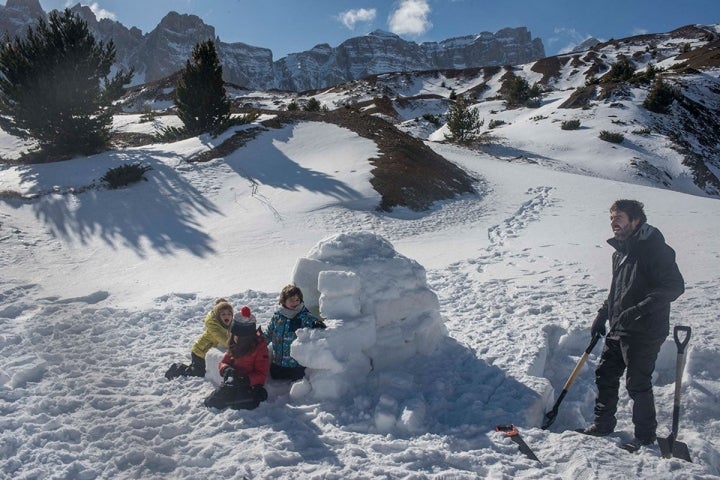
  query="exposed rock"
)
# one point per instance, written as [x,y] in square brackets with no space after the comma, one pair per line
[17,15]
[586,44]
[381,52]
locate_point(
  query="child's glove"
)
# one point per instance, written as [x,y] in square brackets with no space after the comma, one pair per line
[318,324]
[232,379]
[228,374]
[238,381]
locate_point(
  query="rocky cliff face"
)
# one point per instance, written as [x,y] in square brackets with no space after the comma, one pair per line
[165,50]
[381,52]
[17,15]
[127,41]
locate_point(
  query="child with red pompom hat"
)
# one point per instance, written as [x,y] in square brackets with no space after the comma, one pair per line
[244,367]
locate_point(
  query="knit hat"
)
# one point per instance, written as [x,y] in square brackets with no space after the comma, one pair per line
[243,325]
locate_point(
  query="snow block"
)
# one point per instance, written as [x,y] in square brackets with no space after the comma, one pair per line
[340,343]
[339,294]
[396,310]
[305,275]
[412,417]
[385,414]
[339,307]
[326,385]
[212,364]
[360,332]
[338,283]
[430,328]
[314,352]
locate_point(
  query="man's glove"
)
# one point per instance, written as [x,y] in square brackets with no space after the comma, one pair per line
[598,325]
[630,315]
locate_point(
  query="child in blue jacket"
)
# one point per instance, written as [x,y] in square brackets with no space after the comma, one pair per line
[291,315]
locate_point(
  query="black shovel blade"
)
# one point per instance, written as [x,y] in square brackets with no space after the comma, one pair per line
[672,448]
[549,419]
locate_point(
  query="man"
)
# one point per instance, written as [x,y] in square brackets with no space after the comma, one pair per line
[645,279]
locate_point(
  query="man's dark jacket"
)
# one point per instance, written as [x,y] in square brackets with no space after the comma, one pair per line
[645,276]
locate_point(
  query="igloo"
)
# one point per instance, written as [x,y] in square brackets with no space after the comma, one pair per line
[378,308]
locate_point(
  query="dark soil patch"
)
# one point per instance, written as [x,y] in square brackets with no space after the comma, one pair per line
[707,56]
[131,139]
[408,173]
[581,97]
[549,67]
[228,146]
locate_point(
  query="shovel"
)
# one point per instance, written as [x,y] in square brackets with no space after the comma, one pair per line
[550,416]
[512,432]
[670,446]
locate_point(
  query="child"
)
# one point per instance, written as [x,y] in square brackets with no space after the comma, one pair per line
[291,315]
[217,333]
[244,367]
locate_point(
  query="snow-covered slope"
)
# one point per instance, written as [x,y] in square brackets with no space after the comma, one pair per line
[677,150]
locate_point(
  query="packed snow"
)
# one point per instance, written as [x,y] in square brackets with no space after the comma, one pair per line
[441,325]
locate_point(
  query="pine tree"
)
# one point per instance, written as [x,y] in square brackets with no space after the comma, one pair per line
[200,96]
[517,90]
[313,105]
[55,89]
[660,97]
[463,122]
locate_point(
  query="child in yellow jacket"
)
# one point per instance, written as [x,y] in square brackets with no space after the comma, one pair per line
[216,333]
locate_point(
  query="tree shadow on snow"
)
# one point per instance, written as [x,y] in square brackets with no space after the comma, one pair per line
[271,167]
[160,214]
[505,152]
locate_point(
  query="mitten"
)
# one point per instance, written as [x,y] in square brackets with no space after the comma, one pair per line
[318,324]
[242,381]
[598,325]
[259,393]
[227,373]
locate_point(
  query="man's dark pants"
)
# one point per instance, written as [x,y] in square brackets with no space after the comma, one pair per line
[638,357]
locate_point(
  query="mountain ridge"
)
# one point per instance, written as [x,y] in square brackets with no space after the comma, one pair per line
[164,50]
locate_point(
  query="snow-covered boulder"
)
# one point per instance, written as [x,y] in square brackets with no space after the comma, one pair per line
[376,304]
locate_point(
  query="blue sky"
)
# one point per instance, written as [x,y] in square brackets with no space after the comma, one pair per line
[287,26]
